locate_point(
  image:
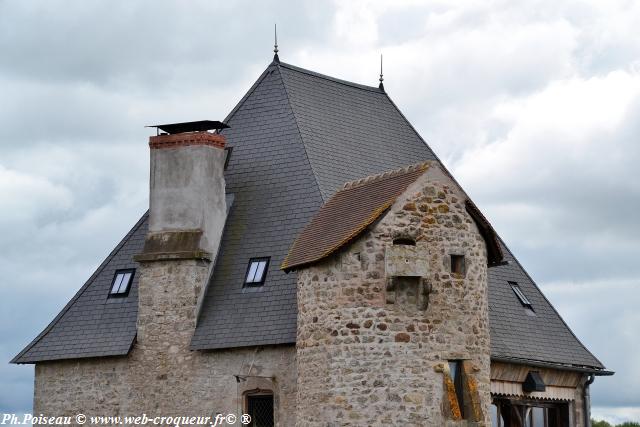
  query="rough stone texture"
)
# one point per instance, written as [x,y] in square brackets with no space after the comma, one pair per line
[117,386]
[161,376]
[362,361]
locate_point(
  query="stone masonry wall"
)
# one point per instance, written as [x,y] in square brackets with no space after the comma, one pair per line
[112,386]
[161,376]
[363,361]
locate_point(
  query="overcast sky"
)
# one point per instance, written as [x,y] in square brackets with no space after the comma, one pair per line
[534,106]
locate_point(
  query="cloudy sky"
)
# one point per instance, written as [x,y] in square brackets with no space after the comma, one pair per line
[534,106]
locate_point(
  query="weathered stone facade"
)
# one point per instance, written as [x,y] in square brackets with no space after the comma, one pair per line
[202,385]
[367,359]
[161,376]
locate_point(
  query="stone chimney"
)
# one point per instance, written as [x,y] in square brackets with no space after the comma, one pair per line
[187,195]
[187,214]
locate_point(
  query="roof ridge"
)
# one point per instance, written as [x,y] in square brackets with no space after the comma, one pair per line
[330,78]
[385,175]
[302,140]
[248,93]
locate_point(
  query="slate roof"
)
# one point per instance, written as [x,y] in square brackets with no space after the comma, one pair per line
[518,336]
[298,136]
[91,324]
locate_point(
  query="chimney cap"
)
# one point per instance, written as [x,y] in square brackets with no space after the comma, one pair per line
[197,126]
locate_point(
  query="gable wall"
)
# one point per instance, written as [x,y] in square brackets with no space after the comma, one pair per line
[364,360]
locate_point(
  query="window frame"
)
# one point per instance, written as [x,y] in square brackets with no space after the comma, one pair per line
[118,272]
[515,287]
[264,274]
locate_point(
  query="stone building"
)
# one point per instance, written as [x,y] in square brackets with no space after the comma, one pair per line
[309,261]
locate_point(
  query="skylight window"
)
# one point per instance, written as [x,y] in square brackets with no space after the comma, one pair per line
[121,283]
[256,271]
[521,296]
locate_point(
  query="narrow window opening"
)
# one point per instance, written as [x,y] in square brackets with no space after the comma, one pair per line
[457,264]
[256,271]
[121,283]
[521,296]
[404,241]
[227,151]
[455,370]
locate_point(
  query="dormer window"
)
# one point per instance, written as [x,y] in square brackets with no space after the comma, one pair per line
[256,271]
[121,283]
[521,296]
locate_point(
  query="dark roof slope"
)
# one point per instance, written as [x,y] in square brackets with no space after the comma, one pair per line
[91,324]
[349,212]
[275,194]
[297,137]
[517,335]
[349,131]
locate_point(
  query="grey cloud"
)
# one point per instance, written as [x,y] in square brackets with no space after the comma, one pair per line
[144,43]
[602,311]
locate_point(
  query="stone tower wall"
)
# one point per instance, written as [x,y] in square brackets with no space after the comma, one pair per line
[365,361]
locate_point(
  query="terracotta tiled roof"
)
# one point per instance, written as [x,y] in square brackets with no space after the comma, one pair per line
[348,213]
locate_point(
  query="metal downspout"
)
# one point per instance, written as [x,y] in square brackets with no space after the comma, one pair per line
[586,400]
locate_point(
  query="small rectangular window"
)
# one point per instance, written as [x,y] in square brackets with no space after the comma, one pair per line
[457,264]
[121,283]
[521,296]
[256,271]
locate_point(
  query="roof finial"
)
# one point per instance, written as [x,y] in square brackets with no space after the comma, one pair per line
[275,45]
[381,85]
